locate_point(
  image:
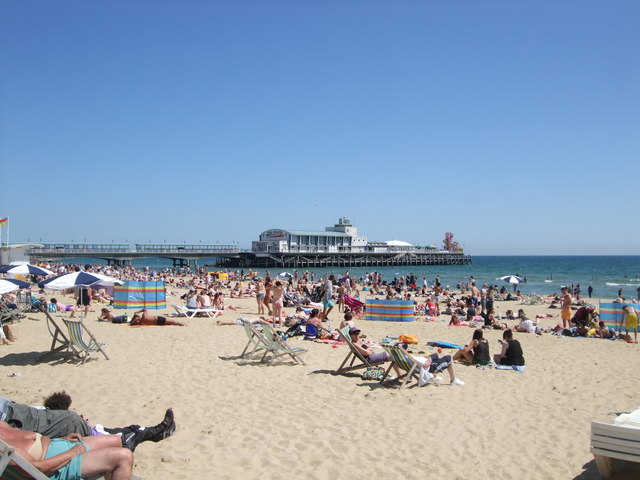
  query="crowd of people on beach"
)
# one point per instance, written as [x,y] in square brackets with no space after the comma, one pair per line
[315,300]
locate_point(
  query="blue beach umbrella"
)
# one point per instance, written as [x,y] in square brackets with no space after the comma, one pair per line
[25,269]
[512,279]
[78,279]
[10,284]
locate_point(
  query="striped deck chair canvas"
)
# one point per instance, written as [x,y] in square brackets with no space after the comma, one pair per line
[404,361]
[76,337]
[390,310]
[611,314]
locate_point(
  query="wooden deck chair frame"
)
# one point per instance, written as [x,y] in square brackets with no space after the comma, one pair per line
[353,354]
[613,441]
[8,471]
[404,361]
[255,339]
[279,347]
[76,338]
[58,337]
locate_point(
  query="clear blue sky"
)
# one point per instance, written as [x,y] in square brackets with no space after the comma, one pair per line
[513,124]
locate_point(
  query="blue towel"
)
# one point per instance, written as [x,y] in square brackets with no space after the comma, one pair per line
[517,368]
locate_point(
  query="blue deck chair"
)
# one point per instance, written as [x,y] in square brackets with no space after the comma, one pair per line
[76,338]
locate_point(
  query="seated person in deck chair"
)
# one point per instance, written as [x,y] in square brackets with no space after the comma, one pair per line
[72,457]
[365,349]
[143,317]
[436,364]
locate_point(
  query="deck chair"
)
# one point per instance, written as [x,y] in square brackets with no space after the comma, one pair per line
[353,354]
[17,471]
[614,441]
[256,341]
[183,311]
[279,347]
[404,361]
[59,337]
[76,337]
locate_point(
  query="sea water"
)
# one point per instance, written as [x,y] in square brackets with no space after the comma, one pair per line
[544,274]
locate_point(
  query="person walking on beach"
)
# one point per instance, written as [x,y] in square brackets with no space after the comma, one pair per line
[327,297]
[590,290]
[566,308]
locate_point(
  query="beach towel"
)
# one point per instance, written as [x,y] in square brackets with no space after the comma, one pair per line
[389,310]
[330,342]
[517,368]
[444,345]
[611,314]
[140,295]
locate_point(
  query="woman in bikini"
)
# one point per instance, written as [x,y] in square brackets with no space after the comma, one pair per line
[260,296]
[267,295]
[72,457]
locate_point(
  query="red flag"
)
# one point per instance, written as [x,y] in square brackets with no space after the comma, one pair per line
[4,221]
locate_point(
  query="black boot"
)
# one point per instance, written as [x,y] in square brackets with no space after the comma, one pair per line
[163,430]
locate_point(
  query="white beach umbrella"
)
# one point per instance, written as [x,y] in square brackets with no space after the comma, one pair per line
[25,269]
[285,275]
[10,284]
[78,279]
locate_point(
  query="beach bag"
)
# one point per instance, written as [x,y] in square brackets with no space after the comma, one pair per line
[373,373]
[410,339]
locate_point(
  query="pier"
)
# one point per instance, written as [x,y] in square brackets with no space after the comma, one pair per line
[232,256]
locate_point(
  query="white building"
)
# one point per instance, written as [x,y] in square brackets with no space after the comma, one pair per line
[341,237]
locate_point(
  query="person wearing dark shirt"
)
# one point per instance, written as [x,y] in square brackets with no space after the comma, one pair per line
[511,351]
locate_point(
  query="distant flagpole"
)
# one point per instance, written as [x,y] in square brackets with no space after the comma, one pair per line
[5,222]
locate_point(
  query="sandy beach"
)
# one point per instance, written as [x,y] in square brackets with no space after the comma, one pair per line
[241,419]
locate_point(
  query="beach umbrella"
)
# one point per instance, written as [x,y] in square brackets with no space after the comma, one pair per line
[10,284]
[78,279]
[512,279]
[285,275]
[25,269]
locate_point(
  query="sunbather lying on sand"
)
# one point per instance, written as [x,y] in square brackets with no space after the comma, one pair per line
[57,421]
[143,317]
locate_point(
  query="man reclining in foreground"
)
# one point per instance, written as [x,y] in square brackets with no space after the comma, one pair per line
[72,457]
[56,421]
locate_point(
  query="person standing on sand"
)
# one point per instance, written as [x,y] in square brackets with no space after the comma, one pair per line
[590,290]
[566,308]
[327,297]
[267,294]
[260,296]
[276,292]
